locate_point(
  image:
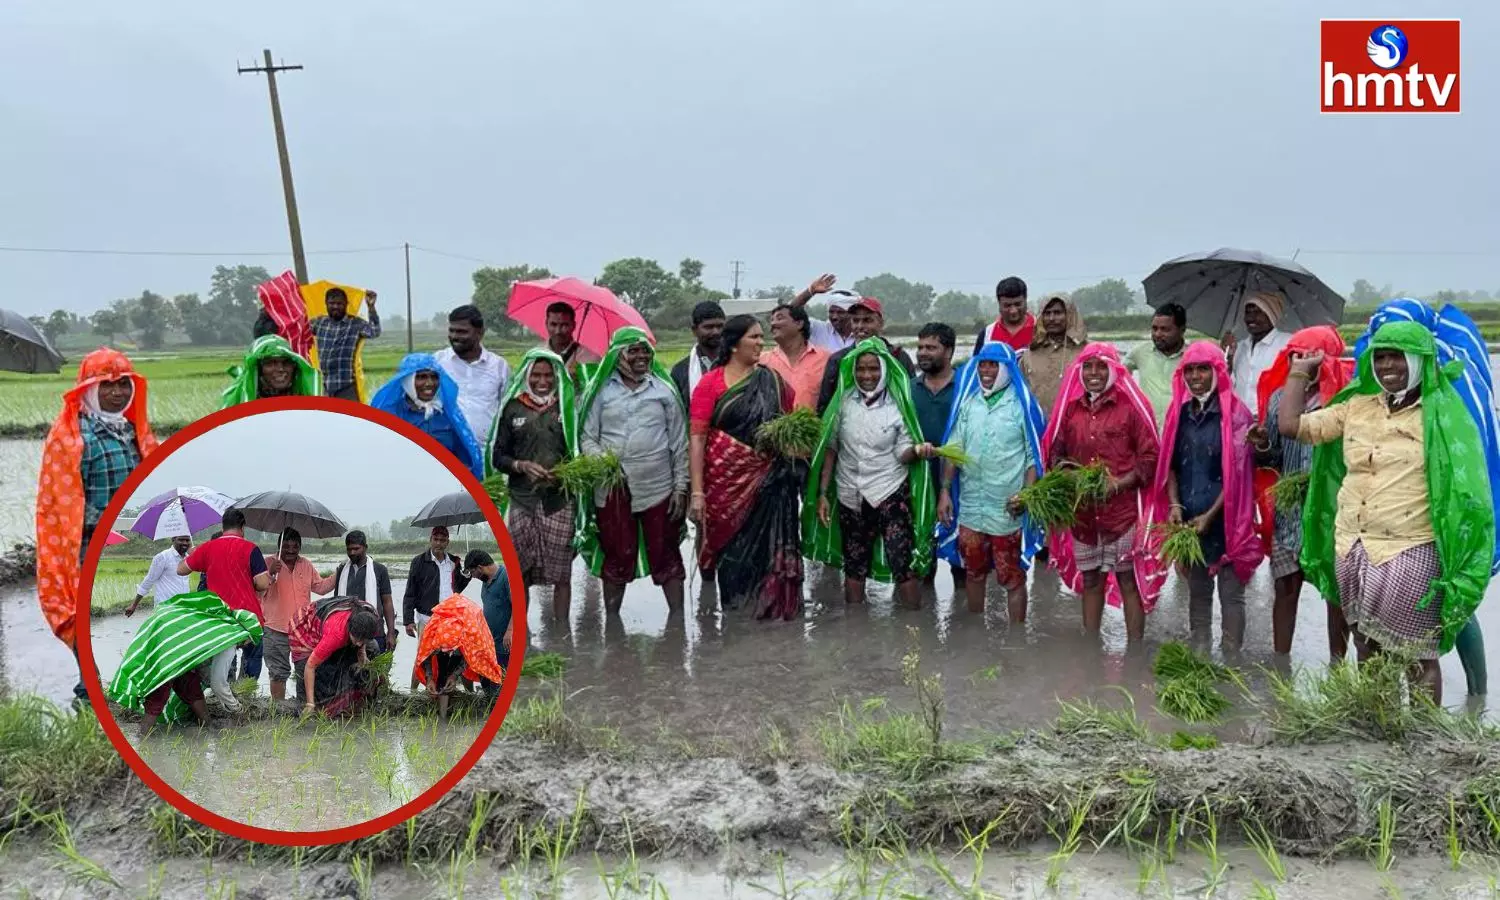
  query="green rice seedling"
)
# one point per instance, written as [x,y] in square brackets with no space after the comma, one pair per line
[155,882]
[777,747]
[1289,492]
[1090,484]
[1069,842]
[362,870]
[1180,544]
[1087,719]
[1149,870]
[1209,847]
[1176,658]
[543,665]
[1051,500]
[582,475]
[1142,786]
[1187,740]
[1265,848]
[1260,891]
[953,452]
[78,868]
[794,434]
[458,874]
[1392,892]
[1455,847]
[497,486]
[1192,698]
[245,688]
[1383,849]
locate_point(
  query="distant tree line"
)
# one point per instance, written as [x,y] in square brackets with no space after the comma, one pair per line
[664,297]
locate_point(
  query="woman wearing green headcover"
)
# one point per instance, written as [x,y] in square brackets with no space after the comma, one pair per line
[870,509]
[1398,528]
[536,429]
[631,408]
[271,369]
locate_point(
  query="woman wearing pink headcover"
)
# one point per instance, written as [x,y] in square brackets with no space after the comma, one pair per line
[1102,415]
[1205,477]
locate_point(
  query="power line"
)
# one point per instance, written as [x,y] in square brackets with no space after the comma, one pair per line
[89,251]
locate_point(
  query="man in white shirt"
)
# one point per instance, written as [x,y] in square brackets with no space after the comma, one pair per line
[480,374]
[837,333]
[1247,361]
[162,581]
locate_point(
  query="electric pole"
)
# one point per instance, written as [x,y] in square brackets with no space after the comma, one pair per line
[299,258]
[407,248]
[739,268]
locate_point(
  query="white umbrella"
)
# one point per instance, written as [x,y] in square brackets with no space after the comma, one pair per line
[181,511]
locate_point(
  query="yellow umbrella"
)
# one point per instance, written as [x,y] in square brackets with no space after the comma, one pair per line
[312,298]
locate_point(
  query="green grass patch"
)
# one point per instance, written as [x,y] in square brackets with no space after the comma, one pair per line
[49,757]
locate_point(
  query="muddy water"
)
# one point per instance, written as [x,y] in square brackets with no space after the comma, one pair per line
[744,872]
[20,461]
[304,777]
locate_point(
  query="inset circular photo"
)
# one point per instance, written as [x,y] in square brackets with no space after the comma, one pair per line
[298,621]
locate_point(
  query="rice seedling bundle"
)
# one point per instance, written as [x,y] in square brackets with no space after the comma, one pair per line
[1090,484]
[954,453]
[1051,500]
[1176,659]
[582,475]
[1191,698]
[794,434]
[1289,491]
[380,666]
[1181,544]
[543,665]
[498,488]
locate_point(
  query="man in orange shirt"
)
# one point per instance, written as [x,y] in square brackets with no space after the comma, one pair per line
[291,588]
[798,361]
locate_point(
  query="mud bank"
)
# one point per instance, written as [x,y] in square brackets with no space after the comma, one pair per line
[37,431]
[18,565]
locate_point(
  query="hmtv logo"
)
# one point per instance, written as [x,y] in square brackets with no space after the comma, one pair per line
[1401,66]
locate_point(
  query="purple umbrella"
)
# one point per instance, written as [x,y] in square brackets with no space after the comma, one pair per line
[181,511]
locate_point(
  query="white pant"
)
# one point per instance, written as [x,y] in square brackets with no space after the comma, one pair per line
[218,679]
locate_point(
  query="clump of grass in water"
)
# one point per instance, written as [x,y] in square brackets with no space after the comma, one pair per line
[1369,701]
[1290,491]
[794,434]
[1187,740]
[1087,719]
[543,665]
[582,475]
[50,757]
[1180,544]
[1186,684]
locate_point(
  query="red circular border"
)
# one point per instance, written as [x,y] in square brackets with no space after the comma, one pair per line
[333,835]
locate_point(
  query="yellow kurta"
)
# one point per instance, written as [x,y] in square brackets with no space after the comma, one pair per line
[1384,500]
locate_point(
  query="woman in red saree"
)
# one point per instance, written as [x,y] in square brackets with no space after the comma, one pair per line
[745,501]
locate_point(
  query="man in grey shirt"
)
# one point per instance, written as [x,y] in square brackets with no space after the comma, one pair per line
[638,415]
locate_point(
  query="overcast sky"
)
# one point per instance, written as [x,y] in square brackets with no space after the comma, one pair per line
[953,142]
[362,472]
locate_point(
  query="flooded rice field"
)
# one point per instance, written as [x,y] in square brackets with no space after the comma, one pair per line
[292,775]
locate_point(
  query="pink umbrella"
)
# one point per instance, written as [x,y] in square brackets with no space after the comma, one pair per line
[115,537]
[600,313]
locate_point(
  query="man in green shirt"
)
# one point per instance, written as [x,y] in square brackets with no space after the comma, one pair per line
[1153,363]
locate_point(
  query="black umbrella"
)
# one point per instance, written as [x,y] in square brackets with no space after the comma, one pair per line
[23,348]
[1212,288]
[275,511]
[457,508]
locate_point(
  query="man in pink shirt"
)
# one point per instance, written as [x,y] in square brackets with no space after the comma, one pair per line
[798,361]
[292,579]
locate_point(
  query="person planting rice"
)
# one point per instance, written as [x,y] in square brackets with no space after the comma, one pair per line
[1399,526]
[99,437]
[422,394]
[536,430]
[435,573]
[159,676]
[1204,480]
[630,409]
[746,482]
[1291,458]
[456,647]
[999,424]
[271,369]
[496,600]
[1102,417]
[870,450]
[332,641]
